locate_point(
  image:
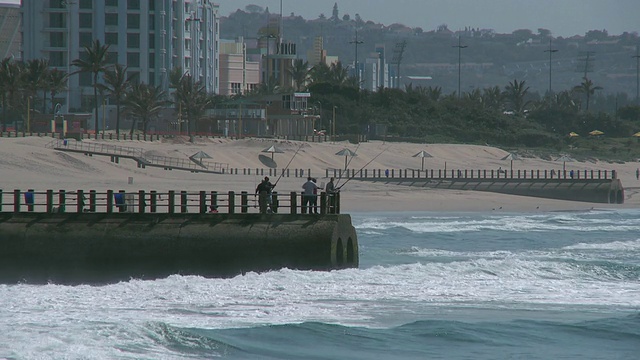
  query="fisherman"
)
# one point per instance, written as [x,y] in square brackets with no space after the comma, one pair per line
[331,196]
[263,191]
[307,196]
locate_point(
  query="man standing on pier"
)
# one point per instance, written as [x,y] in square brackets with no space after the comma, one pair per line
[264,195]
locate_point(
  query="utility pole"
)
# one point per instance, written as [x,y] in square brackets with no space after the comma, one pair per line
[637,57]
[357,42]
[397,59]
[550,51]
[587,63]
[460,47]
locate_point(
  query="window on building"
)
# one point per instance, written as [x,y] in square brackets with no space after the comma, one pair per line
[86,38]
[110,2]
[57,20]
[111,38]
[152,5]
[133,41]
[56,58]
[152,78]
[86,4]
[112,57]
[86,21]
[56,39]
[133,4]
[152,60]
[56,4]
[286,102]
[111,19]
[152,41]
[133,59]
[152,22]
[133,21]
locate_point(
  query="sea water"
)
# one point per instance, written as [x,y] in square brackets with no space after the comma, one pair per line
[553,285]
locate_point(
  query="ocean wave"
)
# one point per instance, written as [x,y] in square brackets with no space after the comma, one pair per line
[511,223]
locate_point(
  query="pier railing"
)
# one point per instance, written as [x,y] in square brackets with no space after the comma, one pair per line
[172,202]
[467,174]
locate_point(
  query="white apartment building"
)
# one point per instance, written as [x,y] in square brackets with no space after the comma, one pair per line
[151,37]
[10,31]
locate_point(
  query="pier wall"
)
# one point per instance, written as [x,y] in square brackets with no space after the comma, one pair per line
[99,247]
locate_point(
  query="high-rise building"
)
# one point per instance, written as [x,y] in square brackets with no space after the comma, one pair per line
[10,30]
[150,37]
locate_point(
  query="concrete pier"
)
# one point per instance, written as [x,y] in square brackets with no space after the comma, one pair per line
[104,248]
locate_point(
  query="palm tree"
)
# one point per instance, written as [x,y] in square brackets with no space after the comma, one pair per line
[35,78]
[587,87]
[300,73]
[492,98]
[192,98]
[144,102]
[117,84]
[95,62]
[56,82]
[5,73]
[515,93]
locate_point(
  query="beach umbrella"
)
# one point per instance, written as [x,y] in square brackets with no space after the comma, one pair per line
[422,154]
[511,156]
[565,159]
[346,153]
[596,133]
[200,155]
[272,149]
[573,134]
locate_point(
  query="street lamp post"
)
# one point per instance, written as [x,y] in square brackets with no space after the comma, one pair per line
[550,51]
[637,57]
[333,125]
[195,45]
[460,47]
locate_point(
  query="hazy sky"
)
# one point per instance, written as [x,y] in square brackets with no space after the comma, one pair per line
[563,17]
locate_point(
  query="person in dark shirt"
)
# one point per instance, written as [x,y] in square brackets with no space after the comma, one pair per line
[263,191]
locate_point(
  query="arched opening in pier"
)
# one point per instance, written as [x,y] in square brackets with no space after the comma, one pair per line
[350,252]
[339,252]
[620,197]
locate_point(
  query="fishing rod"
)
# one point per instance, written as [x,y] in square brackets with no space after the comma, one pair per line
[285,169]
[360,171]
[347,166]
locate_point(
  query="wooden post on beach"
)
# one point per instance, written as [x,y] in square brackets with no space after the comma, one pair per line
[153,197]
[92,201]
[109,201]
[16,200]
[141,201]
[202,202]
[61,201]
[183,202]
[244,202]
[232,202]
[294,203]
[79,201]
[172,201]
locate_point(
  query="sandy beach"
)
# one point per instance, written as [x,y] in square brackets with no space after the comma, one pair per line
[26,163]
